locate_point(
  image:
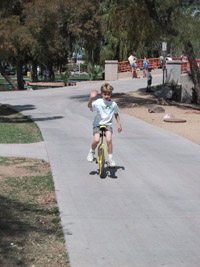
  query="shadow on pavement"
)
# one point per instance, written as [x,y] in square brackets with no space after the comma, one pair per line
[47,118]
[109,172]
[84,98]
[20,108]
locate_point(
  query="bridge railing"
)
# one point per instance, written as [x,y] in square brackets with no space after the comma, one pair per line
[155,63]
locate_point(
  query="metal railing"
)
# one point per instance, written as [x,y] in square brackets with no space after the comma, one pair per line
[155,63]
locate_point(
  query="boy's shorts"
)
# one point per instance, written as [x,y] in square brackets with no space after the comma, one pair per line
[133,65]
[97,129]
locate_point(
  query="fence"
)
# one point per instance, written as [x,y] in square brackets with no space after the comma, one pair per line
[155,63]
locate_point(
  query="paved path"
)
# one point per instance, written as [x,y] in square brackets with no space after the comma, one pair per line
[146,211]
[33,150]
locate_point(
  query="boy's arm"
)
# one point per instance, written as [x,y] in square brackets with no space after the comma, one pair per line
[92,95]
[118,122]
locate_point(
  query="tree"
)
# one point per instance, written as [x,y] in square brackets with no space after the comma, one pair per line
[178,19]
[3,73]
[87,14]
[44,22]
[15,44]
[127,28]
[15,38]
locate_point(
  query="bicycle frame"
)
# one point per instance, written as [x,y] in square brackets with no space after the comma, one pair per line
[99,148]
[101,159]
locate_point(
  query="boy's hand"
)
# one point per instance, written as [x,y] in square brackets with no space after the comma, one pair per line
[94,93]
[119,128]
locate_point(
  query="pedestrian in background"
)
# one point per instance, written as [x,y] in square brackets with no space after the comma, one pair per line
[149,80]
[131,61]
[145,66]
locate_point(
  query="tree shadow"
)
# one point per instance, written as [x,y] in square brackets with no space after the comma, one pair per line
[123,99]
[20,108]
[128,100]
[47,118]
[109,172]
[141,98]
[7,111]
[84,98]
[19,221]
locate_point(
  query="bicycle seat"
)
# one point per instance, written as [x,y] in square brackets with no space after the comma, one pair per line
[102,127]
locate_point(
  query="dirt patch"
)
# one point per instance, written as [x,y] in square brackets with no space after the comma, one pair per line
[30,228]
[138,103]
[24,167]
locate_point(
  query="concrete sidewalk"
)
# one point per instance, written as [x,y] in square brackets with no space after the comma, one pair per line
[32,150]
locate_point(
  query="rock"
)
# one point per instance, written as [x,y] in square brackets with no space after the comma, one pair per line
[134,105]
[171,118]
[176,120]
[192,112]
[161,101]
[156,109]
[165,92]
[168,116]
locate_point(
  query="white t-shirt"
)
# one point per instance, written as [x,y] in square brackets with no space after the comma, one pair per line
[131,59]
[105,111]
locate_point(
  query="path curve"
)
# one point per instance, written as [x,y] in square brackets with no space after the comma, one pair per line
[146,211]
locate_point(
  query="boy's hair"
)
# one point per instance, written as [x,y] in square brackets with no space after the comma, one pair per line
[107,88]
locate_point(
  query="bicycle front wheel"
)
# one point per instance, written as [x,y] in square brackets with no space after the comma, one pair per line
[101,162]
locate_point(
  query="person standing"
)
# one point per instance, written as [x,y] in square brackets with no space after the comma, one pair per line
[149,80]
[135,75]
[145,66]
[131,61]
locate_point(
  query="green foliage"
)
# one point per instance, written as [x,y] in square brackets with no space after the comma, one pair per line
[83,67]
[94,71]
[65,76]
[47,34]
[127,28]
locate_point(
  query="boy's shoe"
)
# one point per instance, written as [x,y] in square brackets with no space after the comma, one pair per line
[111,163]
[90,156]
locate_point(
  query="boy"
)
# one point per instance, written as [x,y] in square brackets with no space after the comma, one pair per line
[149,80]
[106,109]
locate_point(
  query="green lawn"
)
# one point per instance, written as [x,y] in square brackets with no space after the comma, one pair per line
[17,128]
[30,228]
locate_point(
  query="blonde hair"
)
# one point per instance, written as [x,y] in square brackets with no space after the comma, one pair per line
[107,88]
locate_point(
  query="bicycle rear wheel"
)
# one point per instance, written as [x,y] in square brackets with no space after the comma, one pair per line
[101,162]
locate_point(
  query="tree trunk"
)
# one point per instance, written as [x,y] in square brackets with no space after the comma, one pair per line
[117,55]
[34,77]
[20,80]
[194,68]
[51,73]
[3,73]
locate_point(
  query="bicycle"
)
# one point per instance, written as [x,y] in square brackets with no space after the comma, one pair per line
[101,159]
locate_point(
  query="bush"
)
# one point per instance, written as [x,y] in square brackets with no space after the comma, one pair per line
[94,71]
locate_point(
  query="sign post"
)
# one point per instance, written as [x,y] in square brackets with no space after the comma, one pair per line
[164,49]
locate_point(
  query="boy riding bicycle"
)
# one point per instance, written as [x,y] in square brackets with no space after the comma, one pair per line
[106,109]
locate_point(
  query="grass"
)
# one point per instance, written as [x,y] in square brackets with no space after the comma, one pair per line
[17,128]
[30,228]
